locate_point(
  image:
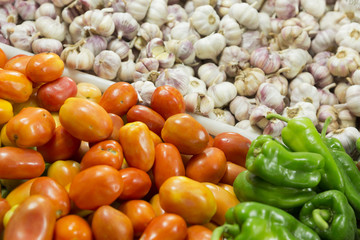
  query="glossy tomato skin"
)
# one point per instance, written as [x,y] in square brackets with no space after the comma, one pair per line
[72,227]
[109,223]
[118,122]
[20,193]
[167,101]
[15,86]
[3,58]
[168,226]
[234,145]
[34,218]
[119,98]
[63,171]
[196,232]
[6,111]
[156,138]
[88,91]
[53,94]
[187,134]
[4,207]
[19,163]
[18,63]
[155,203]
[137,183]
[96,186]
[77,116]
[232,170]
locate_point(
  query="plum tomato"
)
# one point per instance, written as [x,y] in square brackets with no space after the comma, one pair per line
[18,63]
[72,227]
[4,207]
[155,203]
[6,111]
[137,183]
[15,86]
[196,232]
[118,122]
[3,58]
[88,91]
[63,171]
[232,170]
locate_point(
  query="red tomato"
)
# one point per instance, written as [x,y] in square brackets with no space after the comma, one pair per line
[165,227]
[96,186]
[107,152]
[15,86]
[119,98]
[140,214]
[20,163]
[234,145]
[109,223]
[232,170]
[168,163]
[18,63]
[117,124]
[72,227]
[197,232]
[53,94]
[44,67]
[34,219]
[187,134]
[144,114]
[137,183]
[63,172]
[3,58]
[4,207]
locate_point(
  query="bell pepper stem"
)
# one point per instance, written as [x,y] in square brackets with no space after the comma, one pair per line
[321,216]
[217,233]
[326,125]
[277,116]
[226,230]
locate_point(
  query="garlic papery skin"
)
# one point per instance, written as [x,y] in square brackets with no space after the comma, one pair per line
[176,13]
[96,44]
[146,69]
[350,8]
[315,8]
[184,30]
[156,48]
[245,125]
[205,20]
[198,3]
[46,9]
[346,118]
[327,97]
[323,113]
[321,74]
[252,40]
[333,20]
[8,14]
[61,3]
[268,7]
[26,9]
[281,83]
[257,4]
[198,103]
[268,95]
[245,15]
[353,99]
[241,107]
[183,50]
[197,86]
[294,60]
[231,30]
[125,25]
[349,36]
[269,61]
[175,78]
[77,57]
[71,11]
[107,64]
[146,33]
[286,9]
[304,77]
[324,41]
[345,61]
[51,28]
[211,74]
[223,6]
[305,92]
[322,57]
[137,8]
[47,45]
[222,93]
[340,91]
[309,22]
[223,116]
[347,136]
[23,35]
[355,77]
[120,47]
[258,116]
[248,81]
[127,69]
[210,46]
[234,58]
[157,12]
[274,127]
[187,69]
[144,90]
[294,37]
[301,109]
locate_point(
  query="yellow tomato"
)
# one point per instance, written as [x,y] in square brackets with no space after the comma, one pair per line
[5,141]
[88,91]
[9,214]
[20,193]
[56,118]
[63,172]
[6,111]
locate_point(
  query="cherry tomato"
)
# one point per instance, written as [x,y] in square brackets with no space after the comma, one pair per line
[155,203]
[44,67]
[168,163]
[234,145]
[6,111]
[140,214]
[107,152]
[3,58]
[232,170]
[31,127]
[18,63]
[72,227]
[138,146]
[63,172]
[34,218]
[88,91]
[137,183]
[96,186]
[119,98]
[188,198]
[117,124]
[20,163]
[197,232]
[167,101]
[165,227]
[4,207]
[109,223]
[20,193]
[14,86]
[187,134]
[77,117]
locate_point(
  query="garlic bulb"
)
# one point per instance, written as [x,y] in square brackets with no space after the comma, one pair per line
[223,116]
[127,69]
[198,3]
[146,69]
[156,48]
[347,136]
[184,30]
[327,97]
[301,109]
[322,57]
[304,77]
[268,61]
[107,64]
[305,92]
[176,14]
[223,6]
[294,60]
[258,116]
[333,20]
[231,30]
[268,95]
[51,28]
[245,15]
[137,8]
[294,37]
[175,78]
[46,9]
[268,7]
[210,46]
[120,47]
[23,35]
[352,99]
[183,50]
[189,7]
[346,118]
[71,11]
[252,40]
[61,3]
[286,9]
[77,57]
[222,93]
[340,91]
[317,9]
[274,127]
[8,14]
[147,32]
[187,69]
[324,41]
[321,74]
[205,20]
[234,58]
[157,12]
[241,107]
[349,36]
[350,8]
[95,44]
[26,9]
[198,103]
[280,83]
[47,45]
[345,61]
[125,25]
[248,81]
[309,22]
[355,77]
[211,74]
[145,90]
[196,85]
[323,113]
[245,125]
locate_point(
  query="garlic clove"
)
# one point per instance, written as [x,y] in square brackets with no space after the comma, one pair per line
[268,95]
[205,20]
[47,45]
[231,30]
[241,107]
[258,116]
[106,64]
[234,58]
[245,15]
[269,61]
[222,93]
[144,90]
[301,109]
[120,47]
[286,9]
[324,112]
[197,86]
[211,74]
[175,78]
[95,44]
[210,46]
[248,81]
[305,92]
[125,25]
[274,127]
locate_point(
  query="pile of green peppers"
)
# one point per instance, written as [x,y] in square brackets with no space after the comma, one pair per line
[303,187]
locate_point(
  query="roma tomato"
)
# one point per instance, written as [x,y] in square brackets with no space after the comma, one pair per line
[117,124]
[20,193]
[196,232]
[5,141]
[165,227]
[168,163]
[53,94]
[188,198]
[234,145]
[72,227]
[140,214]
[34,218]
[6,111]
[77,117]
[3,58]
[208,166]
[138,146]
[156,138]
[88,91]
[15,86]
[232,170]
[31,127]
[227,187]
[167,101]
[187,134]
[44,67]
[63,172]
[4,207]
[144,114]
[109,223]
[20,163]
[31,102]
[119,98]
[107,152]
[155,203]
[137,183]
[96,186]
[18,63]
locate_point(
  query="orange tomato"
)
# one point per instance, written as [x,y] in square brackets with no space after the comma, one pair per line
[72,227]
[197,232]
[88,91]
[155,203]
[118,122]
[14,86]
[232,170]
[227,187]
[156,138]
[18,63]
[137,183]
[20,193]
[3,58]
[63,172]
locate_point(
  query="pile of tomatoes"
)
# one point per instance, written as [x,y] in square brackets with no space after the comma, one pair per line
[78,163]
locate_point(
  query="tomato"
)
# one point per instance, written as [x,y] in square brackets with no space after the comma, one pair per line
[96,186]
[18,63]
[6,111]
[31,102]
[88,91]
[72,227]
[196,232]
[34,218]
[137,183]
[63,172]
[167,101]
[227,187]
[165,227]
[144,114]
[77,117]
[3,58]
[107,152]
[31,127]
[20,193]
[187,134]
[140,214]
[138,146]
[208,166]
[232,170]
[119,98]
[19,163]
[47,186]
[44,67]
[9,214]
[234,145]
[156,138]
[14,86]
[53,94]
[4,207]
[168,163]
[211,141]
[155,203]
[109,223]
[117,124]
[188,198]
[5,141]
